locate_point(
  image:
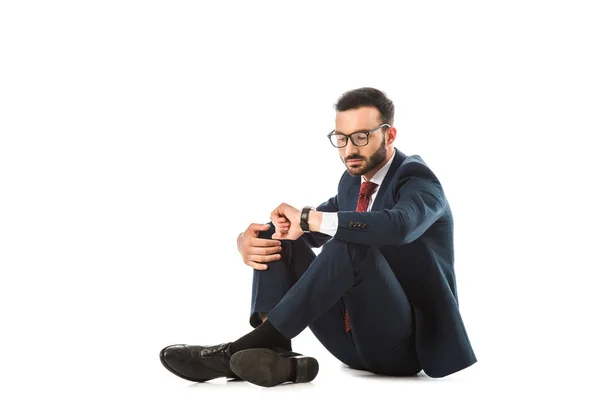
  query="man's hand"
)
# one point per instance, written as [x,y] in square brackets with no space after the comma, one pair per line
[287,222]
[257,251]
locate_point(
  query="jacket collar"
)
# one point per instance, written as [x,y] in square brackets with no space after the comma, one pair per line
[399,158]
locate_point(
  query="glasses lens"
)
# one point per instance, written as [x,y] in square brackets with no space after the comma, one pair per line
[338,140]
[360,139]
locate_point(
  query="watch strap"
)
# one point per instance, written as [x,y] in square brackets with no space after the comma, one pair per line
[304,218]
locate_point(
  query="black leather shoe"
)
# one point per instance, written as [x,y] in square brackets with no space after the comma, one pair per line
[268,367]
[186,362]
[217,358]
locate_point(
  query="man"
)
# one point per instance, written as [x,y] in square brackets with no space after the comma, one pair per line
[380,296]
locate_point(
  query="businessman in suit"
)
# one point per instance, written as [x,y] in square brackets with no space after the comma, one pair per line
[380,296]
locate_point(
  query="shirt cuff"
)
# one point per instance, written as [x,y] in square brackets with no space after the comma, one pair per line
[329,223]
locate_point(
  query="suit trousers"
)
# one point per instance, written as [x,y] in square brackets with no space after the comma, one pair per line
[304,290]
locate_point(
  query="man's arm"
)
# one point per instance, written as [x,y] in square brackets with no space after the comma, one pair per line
[317,239]
[421,203]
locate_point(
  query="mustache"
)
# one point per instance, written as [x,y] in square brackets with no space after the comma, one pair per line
[353,158]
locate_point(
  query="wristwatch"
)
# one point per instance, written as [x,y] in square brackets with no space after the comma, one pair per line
[304,218]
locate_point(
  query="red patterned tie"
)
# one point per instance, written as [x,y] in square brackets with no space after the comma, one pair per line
[366,191]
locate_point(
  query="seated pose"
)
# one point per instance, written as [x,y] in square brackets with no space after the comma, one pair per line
[381,294]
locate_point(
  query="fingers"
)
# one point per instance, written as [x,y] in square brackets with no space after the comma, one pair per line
[259,242]
[279,235]
[283,230]
[263,259]
[290,235]
[259,261]
[262,251]
[281,220]
[258,227]
[282,224]
[260,267]
[279,213]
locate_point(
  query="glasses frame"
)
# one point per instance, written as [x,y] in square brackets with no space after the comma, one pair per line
[330,134]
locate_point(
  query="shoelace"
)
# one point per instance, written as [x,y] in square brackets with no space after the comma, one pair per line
[212,350]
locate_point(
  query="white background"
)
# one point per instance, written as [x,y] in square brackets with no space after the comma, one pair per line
[138,138]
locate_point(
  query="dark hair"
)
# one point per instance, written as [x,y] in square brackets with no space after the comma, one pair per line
[367,96]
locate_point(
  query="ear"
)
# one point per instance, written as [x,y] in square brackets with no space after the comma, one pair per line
[391,134]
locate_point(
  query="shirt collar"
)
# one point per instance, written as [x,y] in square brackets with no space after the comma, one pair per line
[380,175]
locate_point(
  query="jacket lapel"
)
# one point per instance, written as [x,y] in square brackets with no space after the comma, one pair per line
[398,160]
[353,193]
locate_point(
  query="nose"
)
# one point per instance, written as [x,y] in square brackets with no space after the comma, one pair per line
[349,149]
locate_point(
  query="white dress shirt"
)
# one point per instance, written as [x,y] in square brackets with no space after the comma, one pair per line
[329,223]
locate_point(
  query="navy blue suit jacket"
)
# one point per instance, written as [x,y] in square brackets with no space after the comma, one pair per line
[411,224]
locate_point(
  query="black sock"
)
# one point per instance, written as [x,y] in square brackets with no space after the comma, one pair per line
[263,336]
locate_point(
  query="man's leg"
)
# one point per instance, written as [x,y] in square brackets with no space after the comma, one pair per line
[381,316]
[342,270]
[270,286]
[201,363]
[329,330]
[382,320]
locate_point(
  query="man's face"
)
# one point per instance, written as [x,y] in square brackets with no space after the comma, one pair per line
[360,160]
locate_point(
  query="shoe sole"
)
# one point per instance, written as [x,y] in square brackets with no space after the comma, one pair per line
[266,367]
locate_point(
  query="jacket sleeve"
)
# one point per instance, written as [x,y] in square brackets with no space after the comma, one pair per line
[317,239]
[421,202]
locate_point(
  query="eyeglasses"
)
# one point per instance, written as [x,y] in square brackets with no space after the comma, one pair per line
[360,138]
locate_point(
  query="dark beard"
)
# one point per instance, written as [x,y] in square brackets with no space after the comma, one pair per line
[377,158]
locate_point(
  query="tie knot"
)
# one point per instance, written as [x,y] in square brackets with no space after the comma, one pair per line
[367,189]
